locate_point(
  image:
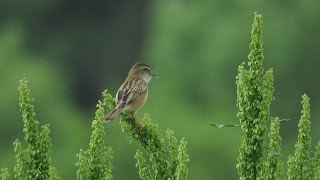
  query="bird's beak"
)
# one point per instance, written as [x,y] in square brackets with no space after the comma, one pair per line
[152,73]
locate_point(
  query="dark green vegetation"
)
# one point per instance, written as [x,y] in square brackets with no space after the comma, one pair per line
[34,163]
[254,96]
[95,163]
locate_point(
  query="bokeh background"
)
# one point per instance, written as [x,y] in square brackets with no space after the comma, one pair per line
[72,50]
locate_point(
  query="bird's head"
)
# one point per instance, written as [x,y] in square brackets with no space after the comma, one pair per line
[142,71]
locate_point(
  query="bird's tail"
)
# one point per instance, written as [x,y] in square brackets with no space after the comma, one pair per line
[112,114]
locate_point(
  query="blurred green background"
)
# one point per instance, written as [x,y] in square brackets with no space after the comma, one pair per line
[72,50]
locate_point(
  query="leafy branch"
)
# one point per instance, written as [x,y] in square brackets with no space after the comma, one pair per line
[34,162]
[167,160]
[95,163]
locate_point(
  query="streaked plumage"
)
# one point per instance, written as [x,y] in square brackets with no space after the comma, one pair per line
[133,93]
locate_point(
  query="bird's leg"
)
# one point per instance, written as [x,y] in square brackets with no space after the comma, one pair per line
[132,117]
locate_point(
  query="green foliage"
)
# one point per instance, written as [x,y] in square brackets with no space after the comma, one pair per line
[167,161]
[300,164]
[149,138]
[95,163]
[144,168]
[174,153]
[316,162]
[254,96]
[34,161]
[53,174]
[273,166]
[4,174]
[183,159]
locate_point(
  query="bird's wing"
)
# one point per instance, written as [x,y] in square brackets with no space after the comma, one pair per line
[130,90]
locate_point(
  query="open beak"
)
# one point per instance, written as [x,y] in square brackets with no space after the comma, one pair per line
[152,73]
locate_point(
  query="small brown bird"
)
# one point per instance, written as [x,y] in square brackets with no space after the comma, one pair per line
[133,93]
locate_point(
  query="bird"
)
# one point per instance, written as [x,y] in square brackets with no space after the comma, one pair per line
[133,93]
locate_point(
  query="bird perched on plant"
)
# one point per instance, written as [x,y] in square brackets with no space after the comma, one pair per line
[133,93]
